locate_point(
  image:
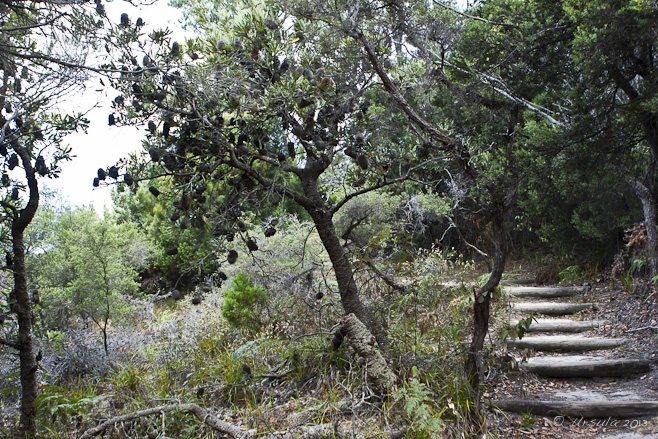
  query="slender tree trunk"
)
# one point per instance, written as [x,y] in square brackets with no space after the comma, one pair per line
[650,221]
[344,272]
[28,366]
[481,307]
[23,306]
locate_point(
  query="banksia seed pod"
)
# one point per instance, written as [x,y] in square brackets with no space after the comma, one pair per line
[175,216]
[232,257]
[96,182]
[422,152]
[101,174]
[242,226]
[172,251]
[155,154]
[154,191]
[230,236]
[251,245]
[113,172]
[13,161]
[363,162]
[125,20]
[185,202]
[196,300]
[128,179]
[175,49]
[222,275]
[110,120]
[139,22]
[285,65]
[270,231]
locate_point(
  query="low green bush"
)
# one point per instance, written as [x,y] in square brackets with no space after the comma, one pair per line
[243,304]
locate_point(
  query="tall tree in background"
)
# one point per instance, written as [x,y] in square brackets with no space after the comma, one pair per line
[614,89]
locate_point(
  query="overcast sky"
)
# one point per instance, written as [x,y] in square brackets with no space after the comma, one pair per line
[103,145]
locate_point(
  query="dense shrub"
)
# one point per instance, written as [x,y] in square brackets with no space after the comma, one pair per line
[244,303]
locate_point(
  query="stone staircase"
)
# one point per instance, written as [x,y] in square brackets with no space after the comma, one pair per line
[563,348]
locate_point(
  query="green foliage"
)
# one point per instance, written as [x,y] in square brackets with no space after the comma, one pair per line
[87,267]
[518,330]
[59,403]
[244,303]
[419,404]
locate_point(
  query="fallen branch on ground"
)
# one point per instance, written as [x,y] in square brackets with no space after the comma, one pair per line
[319,431]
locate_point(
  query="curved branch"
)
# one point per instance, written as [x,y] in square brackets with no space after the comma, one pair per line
[265,182]
[33,26]
[379,185]
[200,413]
[11,344]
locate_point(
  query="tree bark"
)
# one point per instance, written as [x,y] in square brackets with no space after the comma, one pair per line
[650,221]
[481,306]
[343,269]
[23,307]
[344,272]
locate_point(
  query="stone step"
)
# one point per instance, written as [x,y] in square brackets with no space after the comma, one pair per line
[550,308]
[562,325]
[543,292]
[580,366]
[565,343]
[580,409]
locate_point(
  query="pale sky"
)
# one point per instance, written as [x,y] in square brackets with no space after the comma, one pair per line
[103,145]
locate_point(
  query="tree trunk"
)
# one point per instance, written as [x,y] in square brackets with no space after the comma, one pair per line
[23,307]
[650,221]
[481,307]
[28,365]
[343,269]
[344,272]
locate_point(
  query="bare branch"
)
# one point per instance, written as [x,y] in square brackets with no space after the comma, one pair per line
[473,17]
